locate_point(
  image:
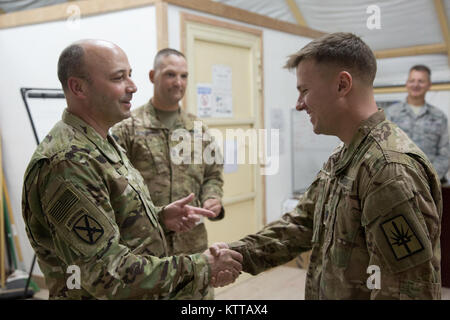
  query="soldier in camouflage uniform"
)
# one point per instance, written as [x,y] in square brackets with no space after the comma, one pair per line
[425,124]
[372,216]
[147,138]
[85,205]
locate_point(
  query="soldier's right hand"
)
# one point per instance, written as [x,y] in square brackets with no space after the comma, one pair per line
[226,265]
[178,216]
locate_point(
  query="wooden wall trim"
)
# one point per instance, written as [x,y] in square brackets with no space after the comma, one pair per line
[396,89]
[184,16]
[411,51]
[293,7]
[233,13]
[162,28]
[60,11]
[93,7]
[442,16]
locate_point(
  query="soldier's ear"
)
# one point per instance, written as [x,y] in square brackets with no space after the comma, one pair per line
[151,76]
[77,86]
[345,83]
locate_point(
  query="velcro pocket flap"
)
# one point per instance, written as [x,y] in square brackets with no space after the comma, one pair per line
[384,199]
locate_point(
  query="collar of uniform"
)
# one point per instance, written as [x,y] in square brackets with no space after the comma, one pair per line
[408,110]
[183,120]
[364,129]
[103,145]
[152,120]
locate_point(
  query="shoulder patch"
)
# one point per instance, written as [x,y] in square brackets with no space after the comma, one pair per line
[401,237]
[88,229]
[83,226]
[63,205]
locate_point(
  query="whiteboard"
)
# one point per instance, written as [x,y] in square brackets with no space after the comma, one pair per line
[309,151]
[45,108]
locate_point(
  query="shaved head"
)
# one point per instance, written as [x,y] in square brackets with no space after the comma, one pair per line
[72,61]
[164,53]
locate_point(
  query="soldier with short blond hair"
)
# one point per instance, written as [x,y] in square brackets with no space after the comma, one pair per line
[372,217]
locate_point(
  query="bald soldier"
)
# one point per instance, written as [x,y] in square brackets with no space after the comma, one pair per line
[372,216]
[85,205]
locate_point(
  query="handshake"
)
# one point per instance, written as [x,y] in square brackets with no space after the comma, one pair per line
[226,264]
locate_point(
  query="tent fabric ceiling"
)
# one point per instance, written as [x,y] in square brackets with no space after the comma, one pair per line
[403,23]
[17,5]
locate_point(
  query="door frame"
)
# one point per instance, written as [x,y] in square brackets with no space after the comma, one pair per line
[188,17]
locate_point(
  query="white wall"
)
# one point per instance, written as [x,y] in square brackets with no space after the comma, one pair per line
[28,58]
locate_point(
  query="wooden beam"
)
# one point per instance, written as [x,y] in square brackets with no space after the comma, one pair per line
[411,51]
[443,22]
[162,25]
[93,7]
[396,89]
[60,11]
[293,7]
[233,13]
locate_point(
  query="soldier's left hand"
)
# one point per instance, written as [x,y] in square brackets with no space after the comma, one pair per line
[214,205]
[180,217]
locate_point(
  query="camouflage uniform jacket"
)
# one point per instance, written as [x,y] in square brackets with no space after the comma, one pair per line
[149,147]
[85,205]
[428,129]
[375,203]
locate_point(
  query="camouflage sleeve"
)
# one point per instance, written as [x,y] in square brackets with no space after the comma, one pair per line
[121,133]
[282,240]
[402,224]
[441,161]
[213,174]
[76,203]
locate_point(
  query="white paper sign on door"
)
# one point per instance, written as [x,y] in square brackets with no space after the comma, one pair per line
[222,91]
[204,100]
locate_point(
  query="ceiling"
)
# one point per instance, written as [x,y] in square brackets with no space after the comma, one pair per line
[402,23]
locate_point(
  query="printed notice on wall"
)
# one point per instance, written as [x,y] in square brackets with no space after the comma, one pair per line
[222,91]
[204,100]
